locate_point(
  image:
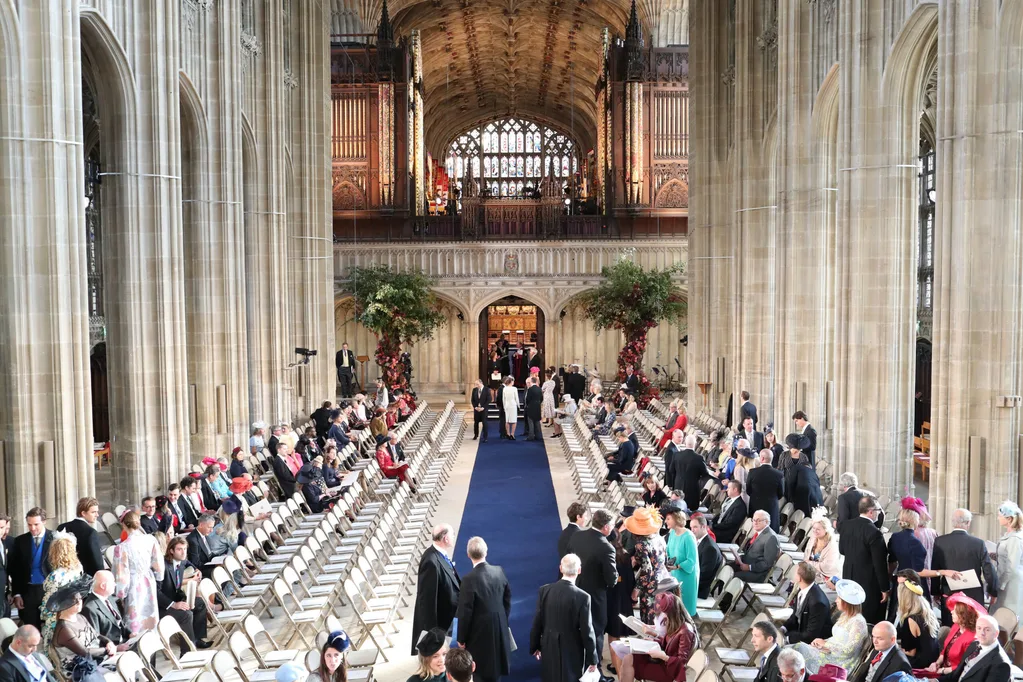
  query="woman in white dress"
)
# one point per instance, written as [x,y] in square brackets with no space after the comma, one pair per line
[510,398]
[547,407]
[1010,557]
[848,636]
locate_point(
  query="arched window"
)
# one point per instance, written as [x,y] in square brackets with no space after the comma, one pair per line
[519,144]
[520,167]
[504,142]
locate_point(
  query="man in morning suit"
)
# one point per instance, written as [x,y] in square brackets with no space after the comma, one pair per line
[484,606]
[437,586]
[577,513]
[849,500]
[804,429]
[102,613]
[690,470]
[599,573]
[765,486]
[811,614]
[480,402]
[670,453]
[960,551]
[764,639]
[29,565]
[887,658]
[984,659]
[631,379]
[761,551]
[732,515]
[210,499]
[534,399]
[708,553]
[562,636]
[345,362]
[170,593]
[199,551]
[285,479]
[89,553]
[20,663]
[6,544]
[575,384]
[862,539]
[181,512]
[747,409]
[751,435]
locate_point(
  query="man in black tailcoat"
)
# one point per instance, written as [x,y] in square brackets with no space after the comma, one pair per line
[807,431]
[811,612]
[534,400]
[862,539]
[28,566]
[849,500]
[599,571]
[765,486]
[577,513]
[437,585]
[708,553]
[480,403]
[484,607]
[575,384]
[87,539]
[562,636]
[690,471]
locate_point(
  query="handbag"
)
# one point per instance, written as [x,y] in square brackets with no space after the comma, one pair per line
[84,669]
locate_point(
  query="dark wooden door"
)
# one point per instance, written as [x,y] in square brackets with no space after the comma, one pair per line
[100,400]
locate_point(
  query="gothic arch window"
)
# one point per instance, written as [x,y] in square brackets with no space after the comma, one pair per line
[925,253]
[513,149]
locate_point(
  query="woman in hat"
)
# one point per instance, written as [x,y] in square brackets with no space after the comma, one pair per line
[314,489]
[333,667]
[378,425]
[849,635]
[965,611]
[649,556]
[238,463]
[668,662]
[683,560]
[906,551]
[1010,557]
[138,567]
[73,636]
[566,411]
[391,468]
[547,406]
[431,648]
[917,628]
[510,398]
[359,408]
[771,443]
[65,569]
[822,552]
[923,533]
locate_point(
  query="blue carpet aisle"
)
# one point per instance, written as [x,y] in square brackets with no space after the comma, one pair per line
[511,505]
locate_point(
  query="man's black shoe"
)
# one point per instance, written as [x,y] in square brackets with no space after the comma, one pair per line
[203,644]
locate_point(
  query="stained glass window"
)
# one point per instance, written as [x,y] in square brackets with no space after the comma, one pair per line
[504,145]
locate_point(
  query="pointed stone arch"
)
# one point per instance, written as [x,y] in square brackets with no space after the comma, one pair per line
[674,194]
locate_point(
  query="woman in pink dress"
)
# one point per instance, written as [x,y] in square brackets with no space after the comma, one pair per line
[138,567]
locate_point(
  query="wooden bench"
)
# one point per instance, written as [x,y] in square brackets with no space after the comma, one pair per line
[924,463]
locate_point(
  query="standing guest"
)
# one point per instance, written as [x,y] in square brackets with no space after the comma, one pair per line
[862,539]
[764,638]
[747,409]
[649,555]
[811,615]
[985,659]
[670,453]
[575,384]
[19,662]
[771,443]
[480,403]
[321,419]
[1010,557]
[89,553]
[333,666]
[499,401]
[848,635]
[102,613]
[619,598]
[708,553]
[822,551]
[925,535]
[794,442]
[65,569]
[959,551]
[484,606]
[282,471]
[437,585]
[683,559]
[732,515]
[807,431]
[138,567]
[888,658]
[690,470]
[917,625]
[534,409]
[599,571]
[510,403]
[849,500]
[765,487]
[578,516]
[905,550]
[344,360]
[666,663]
[653,495]
[256,440]
[548,406]
[761,550]
[806,489]
[29,565]
[171,598]
[6,545]
[432,649]
[749,433]
[562,637]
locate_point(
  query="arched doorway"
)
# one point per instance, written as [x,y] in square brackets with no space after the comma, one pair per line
[513,326]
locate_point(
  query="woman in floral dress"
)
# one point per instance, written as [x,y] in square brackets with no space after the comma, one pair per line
[548,406]
[848,636]
[66,570]
[648,558]
[138,567]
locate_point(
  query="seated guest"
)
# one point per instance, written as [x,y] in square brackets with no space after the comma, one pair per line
[761,550]
[183,517]
[401,405]
[171,598]
[291,672]
[257,440]
[732,515]
[282,470]
[764,637]
[238,463]
[708,553]
[918,627]
[210,496]
[148,519]
[190,495]
[338,431]
[393,447]
[668,662]
[200,550]
[103,613]
[653,496]
[359,411]
[227,533]
[314,489]
[848,635]
[811,615]
[986,660]
[822,550]
[623,459]
[391,416]
[605,427]
[219,489]
[432,649]
[333,667]
[391,468]
[73,636]
[791,666]
[887,659]
[87,539]
[377,425]
[965,611]
[22,661]
[330,466]
[566,411]
[459,665]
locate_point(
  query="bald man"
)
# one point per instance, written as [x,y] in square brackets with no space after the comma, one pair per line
[887,658]
[102,612]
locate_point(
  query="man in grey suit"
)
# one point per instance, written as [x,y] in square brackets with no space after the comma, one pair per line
[960,551]
[761,552]
[104,615]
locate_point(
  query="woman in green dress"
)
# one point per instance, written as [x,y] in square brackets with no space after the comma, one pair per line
[683,559]
[432,646]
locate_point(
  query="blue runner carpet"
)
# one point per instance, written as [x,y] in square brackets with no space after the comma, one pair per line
[511,505]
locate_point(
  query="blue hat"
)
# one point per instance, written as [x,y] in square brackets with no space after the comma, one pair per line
[338,639]
[381,438]
[291,672]
[230,505]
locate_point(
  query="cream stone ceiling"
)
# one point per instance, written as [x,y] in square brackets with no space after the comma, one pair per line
[538,59]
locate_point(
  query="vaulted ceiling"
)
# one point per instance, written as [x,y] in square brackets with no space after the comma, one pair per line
[537,59]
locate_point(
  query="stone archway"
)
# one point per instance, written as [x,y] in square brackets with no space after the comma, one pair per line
[514,326]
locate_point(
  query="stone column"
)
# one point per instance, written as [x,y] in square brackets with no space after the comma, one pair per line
[44,331]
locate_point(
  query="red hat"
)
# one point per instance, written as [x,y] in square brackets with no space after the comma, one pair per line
[829,673]
[960,598]
[240,485]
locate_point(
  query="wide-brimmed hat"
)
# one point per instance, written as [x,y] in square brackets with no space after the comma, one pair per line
[230,506]
[644,521]
[797,441]
[64,597]
[430,642]
[307,474]
[259,424]
[960,598]
[850,592]
[829,672]
[240,485]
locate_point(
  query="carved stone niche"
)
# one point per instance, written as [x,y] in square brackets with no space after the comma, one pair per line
[674,194]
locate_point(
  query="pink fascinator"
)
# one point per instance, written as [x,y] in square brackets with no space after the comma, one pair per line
[917,505]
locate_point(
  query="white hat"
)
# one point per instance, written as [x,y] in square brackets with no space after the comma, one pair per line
[850,592]
[291,672]
[259,425]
